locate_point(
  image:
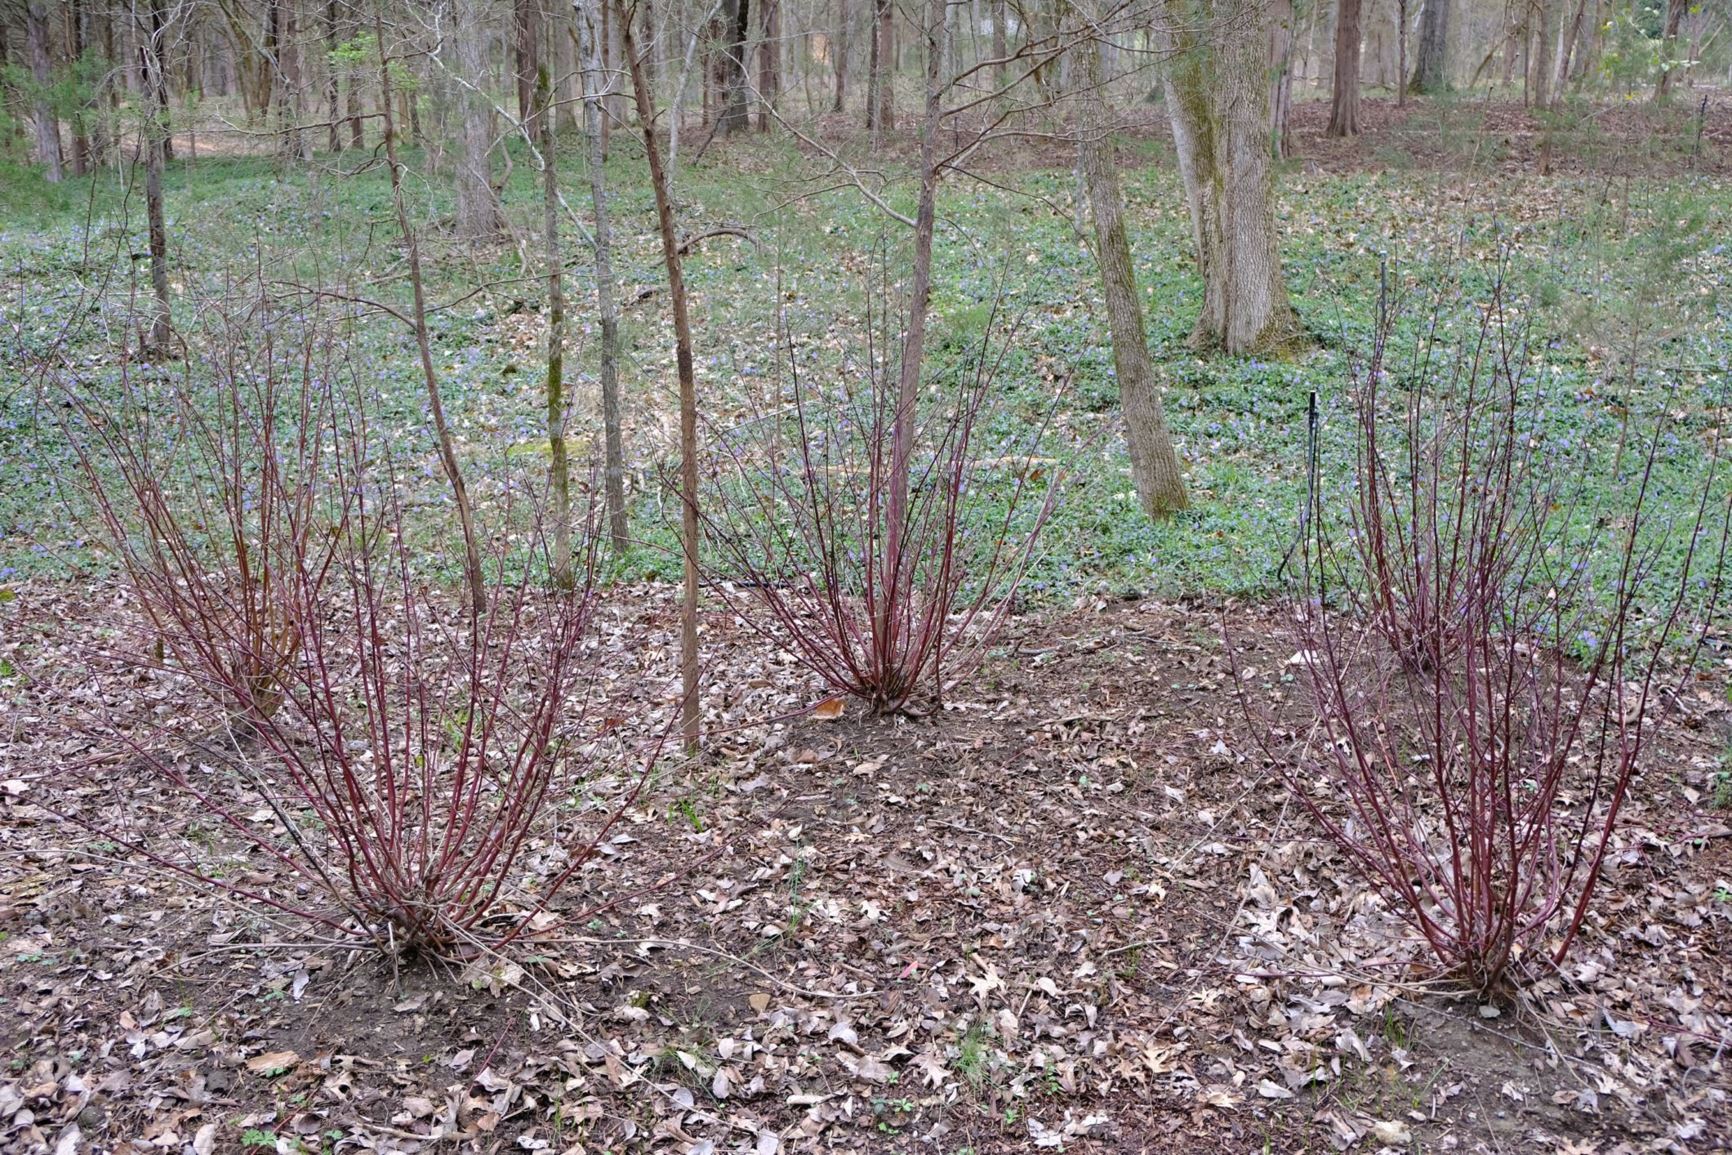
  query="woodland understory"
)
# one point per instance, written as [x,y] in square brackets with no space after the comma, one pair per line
[948,578]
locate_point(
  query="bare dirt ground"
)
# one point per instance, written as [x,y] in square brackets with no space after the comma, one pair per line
[1075,910]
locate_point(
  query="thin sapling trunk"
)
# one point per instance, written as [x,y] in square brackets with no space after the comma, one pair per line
[688,393]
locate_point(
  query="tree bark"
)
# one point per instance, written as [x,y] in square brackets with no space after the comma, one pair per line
[1675,10]
[769,61]
[472,574]
[613,51]
[1281,72]
[108,92]
[478,215]
[880,95]
[526,60]
[1000,45]
[839,56]
[158,46]
[595,83]
[75,17]
[42,115]
[1218,100]
[1431,66]
[155,133]
[686,372]
[651,48]
[1401,52]
[1540,55]
[357,137]
[290,104]
[559,468]
[1588,52]
[894,575]
[1155,467]
[333,86]
[1344,101]
[1572,41]
[736,107]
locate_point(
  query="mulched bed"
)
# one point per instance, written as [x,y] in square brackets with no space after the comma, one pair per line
[1074,910]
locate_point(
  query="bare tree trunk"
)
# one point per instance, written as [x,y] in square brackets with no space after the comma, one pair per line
[478,215]
[1000,44]
[274,36]
[192,90]
[1344,102]
[1218,100]
[715,67]
[1572,41]
[333,88]
[608,59]
[158,44]
[874,71]
[155,132]
[680,85]
[564,59]
[736,108]
[1544,33]
[295,145]
[526,59]
[1514,33]
[10,126]
[1281,71]
[595,84]
[1154,466]
[42,116]
[423,343]
[1401,52]
[75,18]
[1587,56]
[613,40]
[688,401]
[559,468]
[1431,68]
[1675,10]
[880,78]
[892,575]
[108,120]
[839,56]
[357,137]
[651,48]
[769,61]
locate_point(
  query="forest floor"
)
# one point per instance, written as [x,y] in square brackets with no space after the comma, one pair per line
[1076,910]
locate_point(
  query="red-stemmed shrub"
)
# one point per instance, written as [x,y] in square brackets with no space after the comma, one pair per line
[1484,657]
[207,480]
[808,550]
[420,781]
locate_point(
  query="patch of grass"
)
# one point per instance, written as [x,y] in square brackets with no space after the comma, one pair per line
[972,1056]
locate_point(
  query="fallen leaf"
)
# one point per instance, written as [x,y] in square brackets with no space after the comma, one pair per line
[273,1063]
[1392,1132]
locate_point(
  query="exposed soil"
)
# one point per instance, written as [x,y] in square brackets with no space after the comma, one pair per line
[1073,910]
